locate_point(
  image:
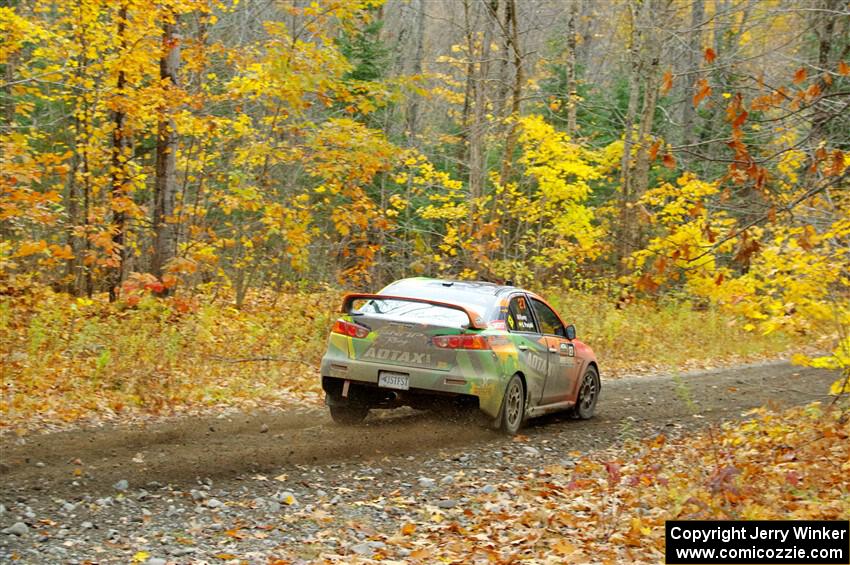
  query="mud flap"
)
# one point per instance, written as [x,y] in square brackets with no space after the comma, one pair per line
[495,422]
[331,400]
[490,397]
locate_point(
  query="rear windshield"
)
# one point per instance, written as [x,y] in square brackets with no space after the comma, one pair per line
[417,312]
[480,302]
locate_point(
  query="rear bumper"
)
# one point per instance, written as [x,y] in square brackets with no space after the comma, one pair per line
[485,385]
[372,395]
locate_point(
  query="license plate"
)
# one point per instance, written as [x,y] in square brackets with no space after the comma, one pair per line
[389,379]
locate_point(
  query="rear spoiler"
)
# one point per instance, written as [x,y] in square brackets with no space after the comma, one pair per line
[475,321]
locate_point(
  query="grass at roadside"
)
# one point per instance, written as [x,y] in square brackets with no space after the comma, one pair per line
[66,359]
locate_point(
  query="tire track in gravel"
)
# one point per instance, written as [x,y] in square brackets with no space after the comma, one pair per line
[182,450]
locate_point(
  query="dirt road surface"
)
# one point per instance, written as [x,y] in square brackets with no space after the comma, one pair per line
[104,494]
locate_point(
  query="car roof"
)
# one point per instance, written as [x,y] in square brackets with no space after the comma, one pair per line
[443,285]
[480,296]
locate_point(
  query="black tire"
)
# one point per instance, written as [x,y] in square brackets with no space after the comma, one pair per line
[349,415]
[588,394]
[512,414]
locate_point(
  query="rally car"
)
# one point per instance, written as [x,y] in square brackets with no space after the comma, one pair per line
[501,348]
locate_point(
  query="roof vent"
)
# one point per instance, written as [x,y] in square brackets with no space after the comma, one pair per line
[448,283]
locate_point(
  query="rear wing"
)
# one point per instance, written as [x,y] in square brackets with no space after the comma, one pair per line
[475,321]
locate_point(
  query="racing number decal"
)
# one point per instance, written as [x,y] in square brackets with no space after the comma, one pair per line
[519,316]
[569,349]
[568,353]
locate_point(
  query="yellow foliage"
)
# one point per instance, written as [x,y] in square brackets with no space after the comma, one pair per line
[789,285]
[839,387]
[31,248]
[562,171]
[681,249]
[16,31]
[545,215]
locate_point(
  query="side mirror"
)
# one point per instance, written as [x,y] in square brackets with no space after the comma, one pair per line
[571,332]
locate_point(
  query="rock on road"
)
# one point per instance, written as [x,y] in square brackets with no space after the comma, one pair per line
[174,490]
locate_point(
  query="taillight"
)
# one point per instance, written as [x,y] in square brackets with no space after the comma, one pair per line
[464,341]
[349,329]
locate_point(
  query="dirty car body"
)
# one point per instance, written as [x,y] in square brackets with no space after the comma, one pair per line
[419,340]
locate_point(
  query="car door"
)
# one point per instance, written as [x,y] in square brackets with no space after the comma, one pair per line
[562,366]
[532,354]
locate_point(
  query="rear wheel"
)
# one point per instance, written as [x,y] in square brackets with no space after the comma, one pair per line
[513,407]
[349,414]
[588,394]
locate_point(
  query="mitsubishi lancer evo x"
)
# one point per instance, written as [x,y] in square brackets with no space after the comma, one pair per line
[501,348]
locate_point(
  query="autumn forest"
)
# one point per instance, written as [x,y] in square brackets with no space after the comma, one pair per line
[271,144]
[187,187]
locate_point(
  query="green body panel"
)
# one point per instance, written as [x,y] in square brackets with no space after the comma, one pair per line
[481,373]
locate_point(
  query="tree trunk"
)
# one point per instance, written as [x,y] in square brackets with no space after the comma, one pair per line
[413,107]
[119,169]
[74,264]
[640,180]
[625,216]
[572,82]
[83,283]
[694,56]
[501,99]
[646,64]
[78,271]
[478,131]
[8,99]
[165,186]
[516,94]
[824,26]
[469,88]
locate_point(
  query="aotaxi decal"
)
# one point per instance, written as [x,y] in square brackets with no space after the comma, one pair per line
[400,356]
[532,357]
[535,361]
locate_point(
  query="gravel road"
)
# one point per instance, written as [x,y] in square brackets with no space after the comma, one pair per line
[289,484]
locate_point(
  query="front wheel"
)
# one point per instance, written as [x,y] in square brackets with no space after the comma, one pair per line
[349,415]
[513,407]
[588,394]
